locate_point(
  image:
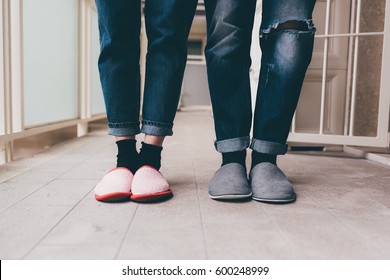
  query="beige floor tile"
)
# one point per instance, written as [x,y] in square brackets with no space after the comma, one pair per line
[48,209]
[314,233]
[22,227]
[73,252]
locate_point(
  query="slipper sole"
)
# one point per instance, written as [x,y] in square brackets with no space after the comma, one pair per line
[280,201]
[116,196]
[230,196]
[151,196]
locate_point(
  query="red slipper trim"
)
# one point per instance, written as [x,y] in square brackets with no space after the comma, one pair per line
[113,196]
[150,196]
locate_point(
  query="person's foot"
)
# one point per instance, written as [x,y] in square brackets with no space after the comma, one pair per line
[115,185]
[150,155]
[128,156]
[149,185]
[230,182]
[269,184]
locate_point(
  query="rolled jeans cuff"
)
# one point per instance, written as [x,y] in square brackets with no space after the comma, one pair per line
[156,128]
[232,145]
[266,147]
[123,129]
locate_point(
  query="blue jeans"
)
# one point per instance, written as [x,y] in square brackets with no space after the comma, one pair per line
[286,54]
[167,26]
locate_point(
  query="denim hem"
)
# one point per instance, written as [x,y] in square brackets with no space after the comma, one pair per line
[123,124]
[156,130]
[266,147]
[232,144]
[123,131]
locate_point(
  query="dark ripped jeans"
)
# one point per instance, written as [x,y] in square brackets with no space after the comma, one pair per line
[286,40]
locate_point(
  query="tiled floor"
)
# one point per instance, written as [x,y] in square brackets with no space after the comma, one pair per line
[48,210]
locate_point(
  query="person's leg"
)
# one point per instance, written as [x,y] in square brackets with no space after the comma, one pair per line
[151,151]
[286,40]
[229,29]
[119,27]
[168,24]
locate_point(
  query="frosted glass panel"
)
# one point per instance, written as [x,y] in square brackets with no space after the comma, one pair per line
[50,48]
[97,101]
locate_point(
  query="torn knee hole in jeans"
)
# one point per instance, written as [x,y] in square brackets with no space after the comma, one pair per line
[298,26]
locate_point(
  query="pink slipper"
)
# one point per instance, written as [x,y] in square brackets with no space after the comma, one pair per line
[149,184]
[115,185]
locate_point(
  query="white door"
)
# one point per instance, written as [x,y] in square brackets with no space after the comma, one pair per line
[346,95]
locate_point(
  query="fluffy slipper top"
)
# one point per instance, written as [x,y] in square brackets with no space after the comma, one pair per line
[117,180]
[148,180]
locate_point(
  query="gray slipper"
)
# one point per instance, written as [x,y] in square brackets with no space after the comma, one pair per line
[230,182]
[269,184]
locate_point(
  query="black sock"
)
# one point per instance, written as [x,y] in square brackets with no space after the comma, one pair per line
[237,157]
[150,155]
[127,155]
[260,157]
